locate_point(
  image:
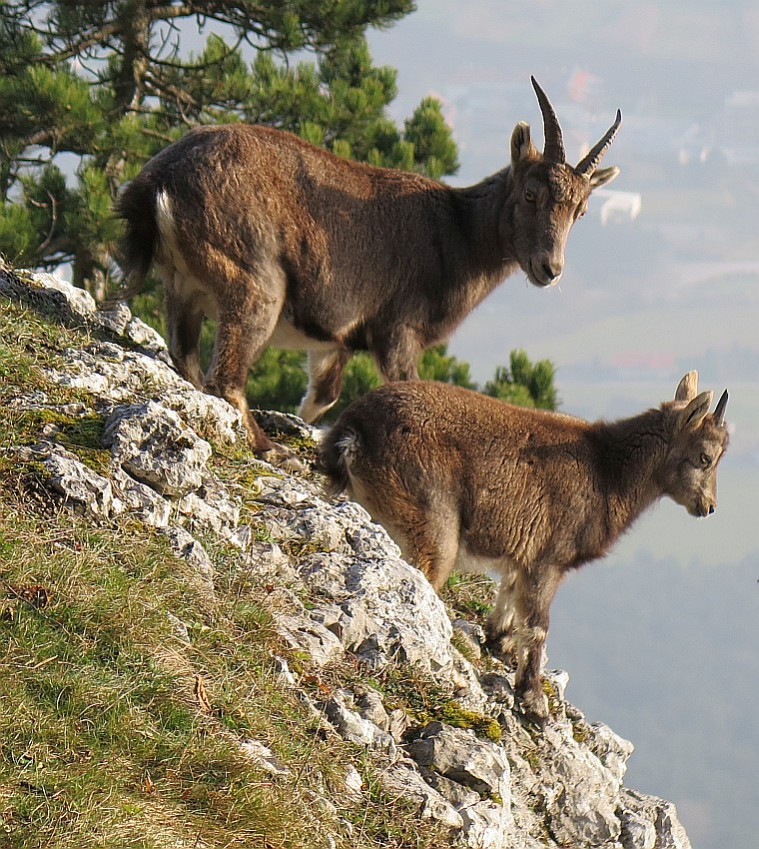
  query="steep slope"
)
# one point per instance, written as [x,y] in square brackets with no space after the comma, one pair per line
[200,650]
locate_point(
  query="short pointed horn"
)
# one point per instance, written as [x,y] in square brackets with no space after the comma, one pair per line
[688,387]
[553,149]
[589,162]
[719,410]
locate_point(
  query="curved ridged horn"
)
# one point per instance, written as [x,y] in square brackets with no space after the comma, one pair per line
[589,162]
[719,410]
[553,149]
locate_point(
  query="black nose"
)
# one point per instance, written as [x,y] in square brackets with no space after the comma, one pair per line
[552,270]
[711,509]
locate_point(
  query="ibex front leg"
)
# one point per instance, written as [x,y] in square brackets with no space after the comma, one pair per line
[325,381]
[397,353]
[534,593]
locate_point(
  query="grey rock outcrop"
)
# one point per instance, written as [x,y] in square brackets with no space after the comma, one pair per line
[152,445]
[518,788]
[473,774]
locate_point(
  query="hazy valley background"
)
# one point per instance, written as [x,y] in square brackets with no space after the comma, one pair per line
[662,276]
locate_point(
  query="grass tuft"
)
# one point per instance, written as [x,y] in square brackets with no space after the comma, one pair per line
[119,728]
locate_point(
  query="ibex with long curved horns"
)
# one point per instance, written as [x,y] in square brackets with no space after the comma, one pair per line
[284,243]
[463,481]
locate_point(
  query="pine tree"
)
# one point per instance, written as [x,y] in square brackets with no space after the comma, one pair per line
[278,379]
[361,376]
[98,88]
[90,91]
[525,383]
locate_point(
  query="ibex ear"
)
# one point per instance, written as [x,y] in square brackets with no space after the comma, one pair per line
[692,416]
[521,144]
[687,387]
[602,176]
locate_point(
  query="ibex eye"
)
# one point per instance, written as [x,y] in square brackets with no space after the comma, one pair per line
[705,460]
[529,196]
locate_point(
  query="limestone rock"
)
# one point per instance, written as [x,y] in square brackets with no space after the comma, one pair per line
[370,707]
[610,749]
[151,443]
[354,784]
[305,634]
[460,755]
[209,506]
[351,726]
[580,794]
[137,498]
[643,816]
[263,757]
[388,609]
[474,776]
[83,489]
[405,782]
[339,593]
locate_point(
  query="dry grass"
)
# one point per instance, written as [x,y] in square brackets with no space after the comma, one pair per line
[116,730]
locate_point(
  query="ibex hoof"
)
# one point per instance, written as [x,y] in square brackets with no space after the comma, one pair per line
[501,646]
[535,707]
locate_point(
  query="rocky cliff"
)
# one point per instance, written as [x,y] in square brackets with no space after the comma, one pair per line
[339,592]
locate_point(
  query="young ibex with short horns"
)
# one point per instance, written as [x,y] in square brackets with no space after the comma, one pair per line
[463,481]
[284,243]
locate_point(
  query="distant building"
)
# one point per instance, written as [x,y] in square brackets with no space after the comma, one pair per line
[586,89]
[618,206]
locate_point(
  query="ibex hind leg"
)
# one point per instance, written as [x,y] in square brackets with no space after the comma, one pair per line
[184,318]
[500,624]
[432,546]
[397,354]
[245,325]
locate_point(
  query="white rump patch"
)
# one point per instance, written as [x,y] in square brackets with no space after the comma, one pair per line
[169,255]
[164,217]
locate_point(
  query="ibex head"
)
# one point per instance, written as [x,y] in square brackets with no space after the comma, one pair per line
[550,194]
[698,442]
